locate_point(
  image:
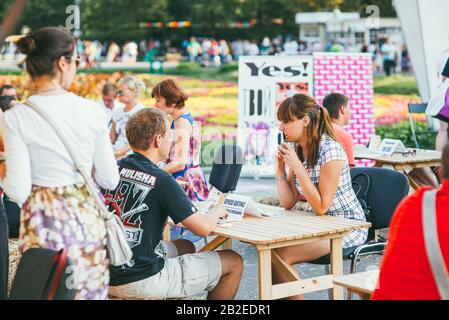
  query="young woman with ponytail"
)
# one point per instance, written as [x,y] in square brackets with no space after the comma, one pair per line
[318,170]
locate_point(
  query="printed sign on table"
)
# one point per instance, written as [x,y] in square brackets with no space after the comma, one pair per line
[390,146]
[235,204]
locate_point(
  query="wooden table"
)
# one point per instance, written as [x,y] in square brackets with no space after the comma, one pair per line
[289,228]
[363,283]
[423,158]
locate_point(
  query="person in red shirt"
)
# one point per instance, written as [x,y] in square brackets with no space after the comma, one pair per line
[337,105]
[405,272]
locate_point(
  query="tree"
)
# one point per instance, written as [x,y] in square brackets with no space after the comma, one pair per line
[385,6]
[38,14]
[120,20]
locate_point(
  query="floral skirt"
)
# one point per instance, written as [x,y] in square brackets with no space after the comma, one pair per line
[196,190]
[67,218]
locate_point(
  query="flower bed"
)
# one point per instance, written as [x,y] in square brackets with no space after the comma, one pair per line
[214,104]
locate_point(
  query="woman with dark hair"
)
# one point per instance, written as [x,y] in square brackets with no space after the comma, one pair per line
[58,212]
[184,161]
[318,170]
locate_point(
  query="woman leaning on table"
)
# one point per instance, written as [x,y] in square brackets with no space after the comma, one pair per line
[318,170]
[58,212]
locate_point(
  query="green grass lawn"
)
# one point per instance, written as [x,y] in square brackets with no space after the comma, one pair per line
[227,72]
[395,85]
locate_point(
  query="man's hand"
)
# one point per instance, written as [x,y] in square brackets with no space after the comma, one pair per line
[220,211]
[203,225]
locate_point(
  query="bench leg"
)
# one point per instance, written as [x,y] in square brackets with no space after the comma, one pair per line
[330,292]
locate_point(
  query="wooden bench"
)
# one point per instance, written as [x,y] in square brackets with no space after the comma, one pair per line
[363,283]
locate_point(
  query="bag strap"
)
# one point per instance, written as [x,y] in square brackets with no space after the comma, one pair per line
[82,169]
[360,185]
[432,244]
[60,264]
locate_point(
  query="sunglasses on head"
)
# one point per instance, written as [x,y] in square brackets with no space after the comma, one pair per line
[119,93]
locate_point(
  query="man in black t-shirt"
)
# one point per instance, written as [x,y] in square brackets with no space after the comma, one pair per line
[144,199]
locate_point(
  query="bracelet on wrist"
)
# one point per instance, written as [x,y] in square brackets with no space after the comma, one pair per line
[280,179]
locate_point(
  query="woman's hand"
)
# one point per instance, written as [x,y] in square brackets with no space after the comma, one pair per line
[279,164]
[289,157]
[122,152]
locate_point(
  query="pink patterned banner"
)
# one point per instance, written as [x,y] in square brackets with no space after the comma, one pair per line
[352,75]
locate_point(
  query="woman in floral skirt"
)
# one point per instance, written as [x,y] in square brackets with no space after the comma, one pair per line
[58,212]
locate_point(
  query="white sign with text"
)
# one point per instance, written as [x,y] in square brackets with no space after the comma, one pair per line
[390,146]
[264,83]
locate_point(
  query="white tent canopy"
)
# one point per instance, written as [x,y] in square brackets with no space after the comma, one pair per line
[426,28]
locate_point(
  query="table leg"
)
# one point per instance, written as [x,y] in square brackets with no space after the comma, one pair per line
[412,181]
[166,236]
[227,245]
[337,265]
[364,296]
[287,270]
[214,244]
[378,164]
[265,280]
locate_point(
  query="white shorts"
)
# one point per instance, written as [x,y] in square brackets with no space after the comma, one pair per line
[181,277]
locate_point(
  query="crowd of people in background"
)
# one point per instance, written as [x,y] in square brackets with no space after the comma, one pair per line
[387,56]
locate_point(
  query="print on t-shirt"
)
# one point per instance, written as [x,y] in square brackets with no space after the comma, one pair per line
[133,189]
[145,198]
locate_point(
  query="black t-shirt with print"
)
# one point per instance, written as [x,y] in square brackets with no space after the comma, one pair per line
[144,199]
